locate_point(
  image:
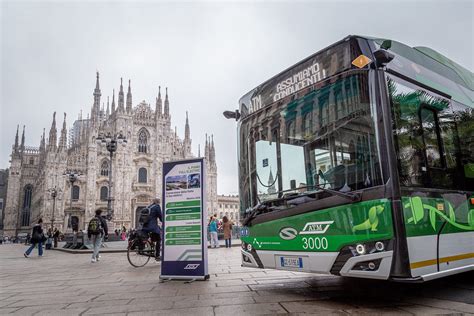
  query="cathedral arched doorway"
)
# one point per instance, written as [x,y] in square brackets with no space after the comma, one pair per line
[74,223]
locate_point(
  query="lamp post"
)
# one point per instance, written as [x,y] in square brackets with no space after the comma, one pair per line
[72,176]
[111,142]
[54,194]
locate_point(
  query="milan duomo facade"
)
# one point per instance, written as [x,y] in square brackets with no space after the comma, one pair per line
[136,166]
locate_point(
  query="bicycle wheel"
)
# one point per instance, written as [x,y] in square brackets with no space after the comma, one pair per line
[138,253]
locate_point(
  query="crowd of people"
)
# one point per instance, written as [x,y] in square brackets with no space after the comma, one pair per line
[216,226]
[149,223]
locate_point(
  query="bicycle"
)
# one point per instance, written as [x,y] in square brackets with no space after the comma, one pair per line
[140,249]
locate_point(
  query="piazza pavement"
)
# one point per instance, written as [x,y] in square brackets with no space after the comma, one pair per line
[68,284]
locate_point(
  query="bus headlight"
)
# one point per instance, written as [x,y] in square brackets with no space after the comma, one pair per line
[360,249]
[249,248]
[379,246]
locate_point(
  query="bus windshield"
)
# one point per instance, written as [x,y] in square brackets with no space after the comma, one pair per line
[323,139]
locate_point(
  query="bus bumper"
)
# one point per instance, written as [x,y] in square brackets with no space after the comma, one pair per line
[372,266]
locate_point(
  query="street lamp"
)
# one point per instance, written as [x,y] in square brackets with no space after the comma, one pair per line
[72,176]
[54,194]
[111,142]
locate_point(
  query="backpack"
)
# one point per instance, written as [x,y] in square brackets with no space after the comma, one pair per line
[95,226]
[145,217]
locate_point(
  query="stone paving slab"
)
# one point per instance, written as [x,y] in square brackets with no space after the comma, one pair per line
[68,284]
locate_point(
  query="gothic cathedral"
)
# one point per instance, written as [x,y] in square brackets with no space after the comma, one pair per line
[36,172]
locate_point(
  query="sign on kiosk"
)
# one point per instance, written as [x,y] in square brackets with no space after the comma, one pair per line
[184,221]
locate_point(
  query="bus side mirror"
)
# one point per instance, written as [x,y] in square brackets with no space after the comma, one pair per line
[383,57]
[232,114]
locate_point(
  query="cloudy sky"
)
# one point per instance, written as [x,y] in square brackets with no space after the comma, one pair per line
[209,54]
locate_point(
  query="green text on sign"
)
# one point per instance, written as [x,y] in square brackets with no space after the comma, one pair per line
[183,210]
[179,242]
[184,203]
[183,217]
[184,235]
[190,228]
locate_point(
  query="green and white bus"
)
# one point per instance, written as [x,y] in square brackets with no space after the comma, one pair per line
[359,161]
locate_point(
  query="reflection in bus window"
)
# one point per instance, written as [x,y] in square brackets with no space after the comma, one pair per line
[312,146]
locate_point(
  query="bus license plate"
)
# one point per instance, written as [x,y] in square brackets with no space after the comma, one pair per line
[291,262]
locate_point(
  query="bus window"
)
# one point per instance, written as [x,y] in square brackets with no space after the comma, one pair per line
[431,138]
[267,169]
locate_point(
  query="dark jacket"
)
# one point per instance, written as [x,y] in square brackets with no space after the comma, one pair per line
[37,234]
[152,225]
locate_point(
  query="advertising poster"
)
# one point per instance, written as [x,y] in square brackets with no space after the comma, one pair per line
[184,221]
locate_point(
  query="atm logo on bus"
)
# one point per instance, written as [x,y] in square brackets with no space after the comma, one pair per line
[311,228]
[316,228]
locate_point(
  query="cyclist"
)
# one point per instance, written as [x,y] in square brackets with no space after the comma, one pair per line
[150,224]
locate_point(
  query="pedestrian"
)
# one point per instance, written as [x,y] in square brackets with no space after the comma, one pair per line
[123,234]
[55,237]
[49,239]
[96,230]
[149,217]
[213,232]
[37,238]
[227,227]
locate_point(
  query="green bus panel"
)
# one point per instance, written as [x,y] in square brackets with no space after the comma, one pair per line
[424,216]
[325,230]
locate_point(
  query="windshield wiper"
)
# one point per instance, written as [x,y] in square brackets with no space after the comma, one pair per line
[264,208]
[354,197]
[259,208]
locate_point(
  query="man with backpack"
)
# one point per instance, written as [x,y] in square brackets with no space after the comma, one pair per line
[149,224]
[95,231]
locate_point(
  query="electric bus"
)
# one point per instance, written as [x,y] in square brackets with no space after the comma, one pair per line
[359,161]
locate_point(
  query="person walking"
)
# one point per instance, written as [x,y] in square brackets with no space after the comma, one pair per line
[227,227]
[37,238]
[49,239]
[213,232]
[96,230]
[149,219]
[55,237]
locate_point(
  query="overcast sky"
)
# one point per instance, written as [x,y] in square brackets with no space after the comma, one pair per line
[208,54]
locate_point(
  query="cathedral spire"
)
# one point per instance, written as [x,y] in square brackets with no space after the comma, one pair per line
[212,150]
[271,183]
[113,101]
[199,150]
[63,137]
[107,112]
[43,140]
[167,105]
[206,149]
[187,133]
[159,104]
[15,148]
[129,98]
[120,97]
[52,143]
[97,94]
[22,146]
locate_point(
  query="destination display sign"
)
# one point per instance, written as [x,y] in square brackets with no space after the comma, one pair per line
[310,71]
